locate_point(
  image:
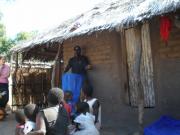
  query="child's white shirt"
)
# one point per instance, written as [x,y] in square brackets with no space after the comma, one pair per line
[29,126]
[91,103]
[87,126]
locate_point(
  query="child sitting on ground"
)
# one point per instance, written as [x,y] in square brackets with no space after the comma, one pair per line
[85,121]
[67,102]
[20,119]
[30,112]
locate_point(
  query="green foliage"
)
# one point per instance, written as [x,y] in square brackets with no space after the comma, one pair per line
[23,36]
[1,15]
[2,27]
[5,46]
[2,30]
[7,43]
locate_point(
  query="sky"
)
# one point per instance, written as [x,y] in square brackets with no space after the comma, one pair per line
[32,15]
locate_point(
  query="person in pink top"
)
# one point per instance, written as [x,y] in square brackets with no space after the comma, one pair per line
[4,74]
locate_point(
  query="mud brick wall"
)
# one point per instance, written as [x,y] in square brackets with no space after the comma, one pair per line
[166,62]
[104,52]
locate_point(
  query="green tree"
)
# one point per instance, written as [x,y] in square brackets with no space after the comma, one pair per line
[5,46]
[3,39]
[22,36]
[2,27]
[7,43]
[2,30]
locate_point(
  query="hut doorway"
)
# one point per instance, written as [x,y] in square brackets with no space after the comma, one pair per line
[138,44]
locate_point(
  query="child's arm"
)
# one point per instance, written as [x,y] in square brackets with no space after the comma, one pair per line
[96,110]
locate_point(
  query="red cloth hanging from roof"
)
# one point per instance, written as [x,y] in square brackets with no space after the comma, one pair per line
[165,27]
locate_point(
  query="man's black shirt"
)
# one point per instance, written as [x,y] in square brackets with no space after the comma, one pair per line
[78,64]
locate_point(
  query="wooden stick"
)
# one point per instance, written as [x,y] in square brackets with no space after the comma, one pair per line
[54,67]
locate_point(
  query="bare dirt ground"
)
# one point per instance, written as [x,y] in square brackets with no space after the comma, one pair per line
[7,126]
[125,125]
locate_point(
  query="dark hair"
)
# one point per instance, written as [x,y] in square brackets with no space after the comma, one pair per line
[77,47]
[82,107]
[87,90]
[20,116]
[31,111]
[55,96]
[67,94]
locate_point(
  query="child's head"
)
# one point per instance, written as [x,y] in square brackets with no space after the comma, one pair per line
[68,95]
[82,107]
[87,91]
[31,111]
[20,117]
[55,96]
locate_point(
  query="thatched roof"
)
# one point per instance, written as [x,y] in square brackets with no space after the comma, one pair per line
[107,15]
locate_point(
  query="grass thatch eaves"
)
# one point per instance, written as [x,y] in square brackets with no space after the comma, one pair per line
[110,14]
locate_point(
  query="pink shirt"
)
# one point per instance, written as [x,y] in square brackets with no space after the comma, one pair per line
[4,73]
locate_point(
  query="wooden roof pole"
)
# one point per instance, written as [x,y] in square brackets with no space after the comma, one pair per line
[14,75]
[54,67]
[15,71]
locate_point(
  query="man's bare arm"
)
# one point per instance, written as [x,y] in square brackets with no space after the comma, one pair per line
[89,67]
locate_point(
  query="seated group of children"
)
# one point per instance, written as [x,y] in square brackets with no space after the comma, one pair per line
[85,116]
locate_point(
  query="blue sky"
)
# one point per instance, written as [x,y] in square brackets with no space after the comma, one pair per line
[29,15]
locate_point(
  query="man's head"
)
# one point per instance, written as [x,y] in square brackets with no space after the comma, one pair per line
[2,60]
[87,91]
[31,111]
[55,96]
[77,50]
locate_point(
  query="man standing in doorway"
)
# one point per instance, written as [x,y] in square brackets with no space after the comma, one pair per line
[79,64]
